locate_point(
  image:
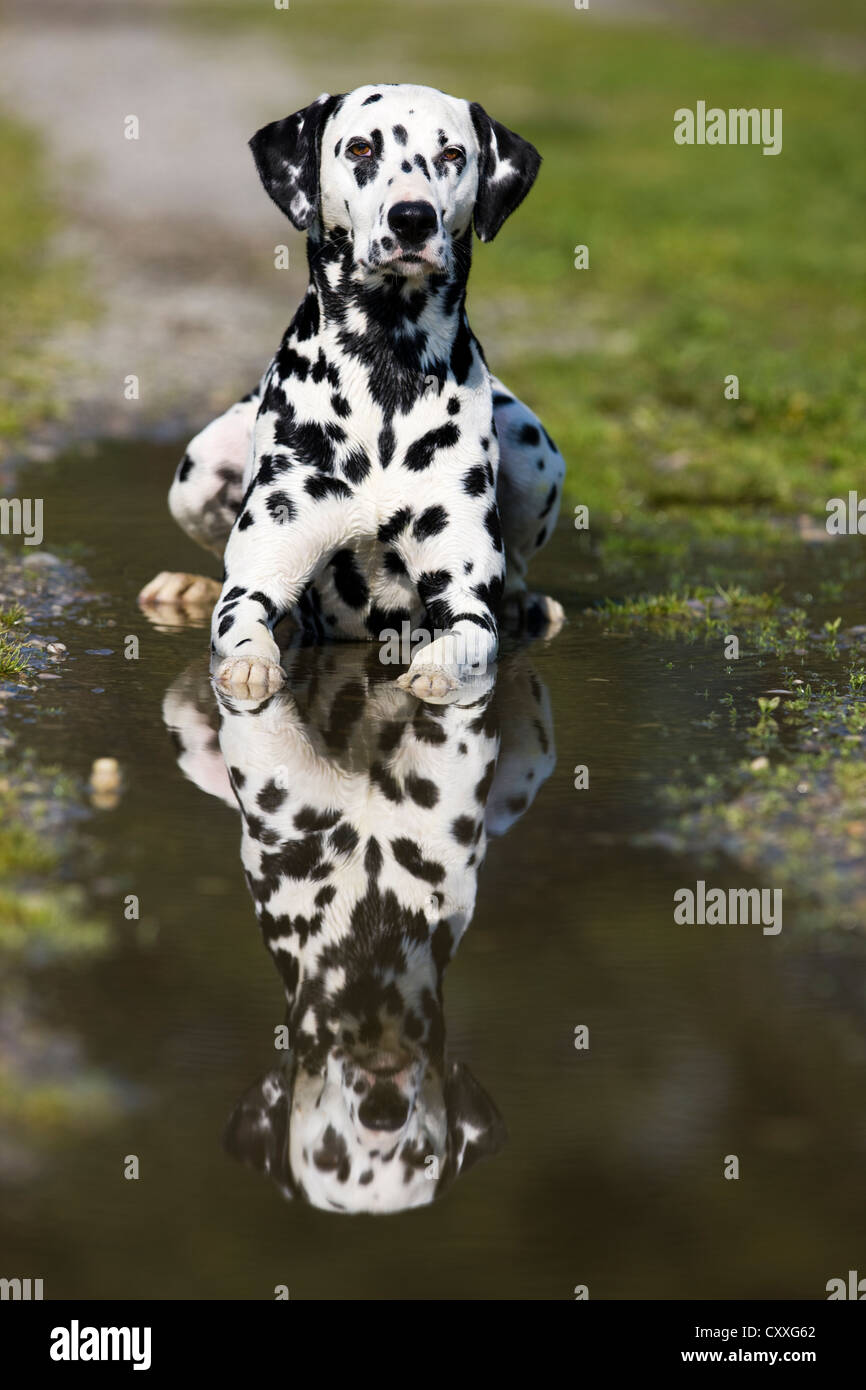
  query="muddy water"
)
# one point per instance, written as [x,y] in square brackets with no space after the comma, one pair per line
[704,1042]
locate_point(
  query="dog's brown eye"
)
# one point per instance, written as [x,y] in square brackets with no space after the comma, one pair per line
[360,149]
[452,153]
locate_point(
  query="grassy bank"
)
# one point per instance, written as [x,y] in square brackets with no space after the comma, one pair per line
[703,262]
[38,290]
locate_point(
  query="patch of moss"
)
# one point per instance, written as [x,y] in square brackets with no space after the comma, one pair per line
[794,808]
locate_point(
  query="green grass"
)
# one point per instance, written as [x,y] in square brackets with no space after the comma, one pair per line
[15,665]
[703,261]
[38,913]
[797,804]
[37,289]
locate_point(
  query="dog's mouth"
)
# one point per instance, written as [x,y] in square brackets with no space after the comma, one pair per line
[410,264]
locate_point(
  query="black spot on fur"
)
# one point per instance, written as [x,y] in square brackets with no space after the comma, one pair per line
[271,797]
[462,829]
[281,507]
[431,522]
[309,819]
[422,451]
[269,607]
[345,839]
[494,529]
[373,857]
[391,529]
[410,856]
[319,487]
[356,466]
[348,580]
[422,791]
[392,564]
[475,480]
[482,790]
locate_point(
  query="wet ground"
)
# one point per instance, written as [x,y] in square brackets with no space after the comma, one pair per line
[705,1042]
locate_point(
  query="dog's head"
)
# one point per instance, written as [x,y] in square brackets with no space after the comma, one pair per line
[402,171]
[367,1115]
[312,1135]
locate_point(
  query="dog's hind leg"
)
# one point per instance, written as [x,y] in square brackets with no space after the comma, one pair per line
[528,493]
[204,500]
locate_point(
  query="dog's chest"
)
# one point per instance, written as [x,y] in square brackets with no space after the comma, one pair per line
[401,458]
[360,594]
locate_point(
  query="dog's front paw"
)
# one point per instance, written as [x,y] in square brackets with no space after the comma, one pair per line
[437,685]
[456,666]
[432,683]
[249,677]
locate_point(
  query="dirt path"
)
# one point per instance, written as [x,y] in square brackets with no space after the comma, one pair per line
[173,229]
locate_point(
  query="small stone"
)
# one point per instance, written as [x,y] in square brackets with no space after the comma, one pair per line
[105,783]
[43,559]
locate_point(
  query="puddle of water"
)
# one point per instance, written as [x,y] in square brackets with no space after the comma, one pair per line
[704,1042]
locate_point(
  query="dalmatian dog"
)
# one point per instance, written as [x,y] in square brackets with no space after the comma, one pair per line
[365,819]
[378,475]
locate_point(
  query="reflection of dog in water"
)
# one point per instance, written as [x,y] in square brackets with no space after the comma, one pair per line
[365,821]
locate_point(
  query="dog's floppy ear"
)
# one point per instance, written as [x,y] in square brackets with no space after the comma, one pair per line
[257,1133]
[507,166]
[475,1127]
[287,157]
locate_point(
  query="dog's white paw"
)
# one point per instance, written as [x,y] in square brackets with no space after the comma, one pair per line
[250,677]
[433,683]
[170,587]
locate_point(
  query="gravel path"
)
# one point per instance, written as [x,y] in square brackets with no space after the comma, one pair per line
[174,229]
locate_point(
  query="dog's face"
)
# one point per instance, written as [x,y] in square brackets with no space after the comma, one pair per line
[310,1134]
[402,171]
[370,1137]
[399,171]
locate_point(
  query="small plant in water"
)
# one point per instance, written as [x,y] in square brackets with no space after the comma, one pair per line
[766,727]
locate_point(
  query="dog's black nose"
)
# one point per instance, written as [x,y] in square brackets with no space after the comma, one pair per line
[383,1107]
[412,222]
